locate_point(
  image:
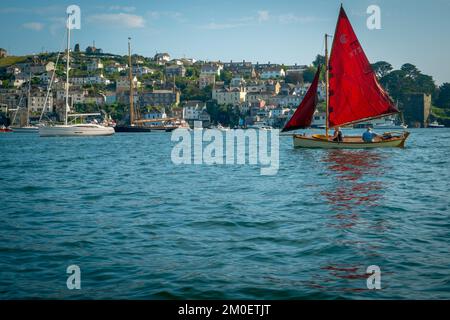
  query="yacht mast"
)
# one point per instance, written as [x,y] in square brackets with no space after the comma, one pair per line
[67,70]
[28,101]
[327,79]
[131,83]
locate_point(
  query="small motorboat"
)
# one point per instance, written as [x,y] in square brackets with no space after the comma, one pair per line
[435,125]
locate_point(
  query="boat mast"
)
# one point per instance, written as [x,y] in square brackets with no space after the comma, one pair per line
[67,70]
[28,101]
[327,79]
[131,83]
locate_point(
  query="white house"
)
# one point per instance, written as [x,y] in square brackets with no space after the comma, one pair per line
[211,68]
[37,101]
[227,96]
[196,111]
[95,79]
[116,67]
[273,73]
[94,65]
[193,109]
[162,58]
[142,70]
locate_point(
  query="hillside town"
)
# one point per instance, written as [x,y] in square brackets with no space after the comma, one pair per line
[233,93]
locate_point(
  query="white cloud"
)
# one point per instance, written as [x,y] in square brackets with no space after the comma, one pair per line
[122,8]
[263,15]
[118,19]
[292,18]
[35,26]
[255,20]
[177,16]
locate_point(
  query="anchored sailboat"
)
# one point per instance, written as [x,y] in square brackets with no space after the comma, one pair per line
[353,95]
[69,130]
[143,125]
[28,127]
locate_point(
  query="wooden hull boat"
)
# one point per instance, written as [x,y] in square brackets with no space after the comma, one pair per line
[353,95]
[352,142]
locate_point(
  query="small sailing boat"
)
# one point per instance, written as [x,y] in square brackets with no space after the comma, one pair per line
[70,130]
[143,125]
[353,95]
[28,128]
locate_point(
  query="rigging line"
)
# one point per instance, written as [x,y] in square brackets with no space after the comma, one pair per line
[53,78]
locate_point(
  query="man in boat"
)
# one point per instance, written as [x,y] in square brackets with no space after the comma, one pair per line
[369,135]
[338,137]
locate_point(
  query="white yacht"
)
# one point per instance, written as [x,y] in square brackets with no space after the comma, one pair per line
[387,123]
[260,125]
[435,124]
[71,130]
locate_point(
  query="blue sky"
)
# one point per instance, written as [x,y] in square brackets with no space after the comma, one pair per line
[255,30]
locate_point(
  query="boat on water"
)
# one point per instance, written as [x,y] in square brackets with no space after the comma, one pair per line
[382,124]
[353,95]
[260,125]
[135,124]
[435,125]
[5,129]
[25,129]
[221,127]
[71,130]
[28,127]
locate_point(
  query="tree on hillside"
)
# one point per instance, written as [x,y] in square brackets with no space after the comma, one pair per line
[295,77]
[443,100]
[408,79]
[308,74]
[382,68]
[410,70]
[226,76]
[319,60]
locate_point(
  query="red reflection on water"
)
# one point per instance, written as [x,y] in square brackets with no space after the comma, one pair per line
[348,195]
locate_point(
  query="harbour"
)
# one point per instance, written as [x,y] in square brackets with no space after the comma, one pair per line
[142,227]
[225,157]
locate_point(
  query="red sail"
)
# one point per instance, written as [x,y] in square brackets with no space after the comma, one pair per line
[302,117]
[354,92]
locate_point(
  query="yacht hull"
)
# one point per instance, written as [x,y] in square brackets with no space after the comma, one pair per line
[320,141]
[75,131]
[25,129]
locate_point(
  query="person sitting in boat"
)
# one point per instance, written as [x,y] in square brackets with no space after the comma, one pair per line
[369,135]
[338,137]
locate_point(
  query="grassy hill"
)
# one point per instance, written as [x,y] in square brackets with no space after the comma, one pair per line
[6,62]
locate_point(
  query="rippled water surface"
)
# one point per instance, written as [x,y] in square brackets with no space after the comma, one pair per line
[141,227]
